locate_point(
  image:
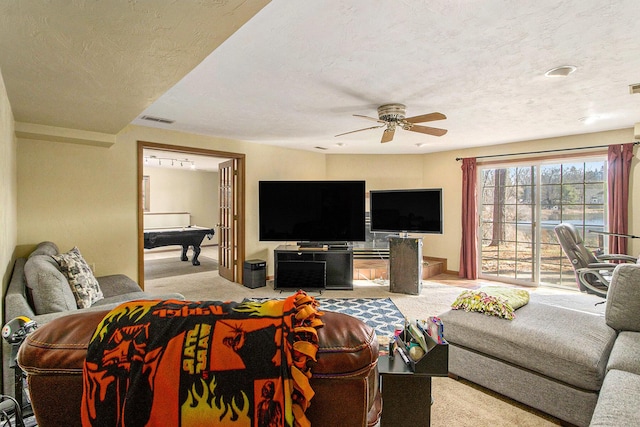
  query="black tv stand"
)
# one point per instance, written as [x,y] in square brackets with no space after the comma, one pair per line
[298,267]
[310,245]
[322,245]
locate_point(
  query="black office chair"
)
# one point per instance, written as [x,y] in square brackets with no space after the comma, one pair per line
[593,273]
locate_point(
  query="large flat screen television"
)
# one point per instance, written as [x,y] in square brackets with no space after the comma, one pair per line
[406,211]
[312,211]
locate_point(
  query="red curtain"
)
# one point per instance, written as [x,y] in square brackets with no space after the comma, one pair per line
[619,158]
[468,249]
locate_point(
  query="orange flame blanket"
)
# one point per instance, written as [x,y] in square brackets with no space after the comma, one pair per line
[202,363]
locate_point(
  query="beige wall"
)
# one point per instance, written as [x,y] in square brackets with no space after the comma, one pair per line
[8,196]
[441,170]
[88,196]
[381,172]
[78,195]
[184,190]
[8,191]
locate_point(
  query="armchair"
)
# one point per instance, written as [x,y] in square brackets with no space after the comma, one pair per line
[593,273]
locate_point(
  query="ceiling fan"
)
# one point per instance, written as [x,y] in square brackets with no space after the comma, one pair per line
[392,116]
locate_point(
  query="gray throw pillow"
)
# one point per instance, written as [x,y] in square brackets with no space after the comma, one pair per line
[45,248]
[84,285]
[47,287]
[623,298]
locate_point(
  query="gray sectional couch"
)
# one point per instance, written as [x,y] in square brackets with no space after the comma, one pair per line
[40,291]
[577,365]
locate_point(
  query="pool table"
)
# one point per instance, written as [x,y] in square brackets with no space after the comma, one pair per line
[183,236]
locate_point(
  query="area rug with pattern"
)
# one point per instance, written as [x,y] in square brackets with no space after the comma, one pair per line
[379,313]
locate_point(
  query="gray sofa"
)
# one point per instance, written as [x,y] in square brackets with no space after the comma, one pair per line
[40,291]
[579,366]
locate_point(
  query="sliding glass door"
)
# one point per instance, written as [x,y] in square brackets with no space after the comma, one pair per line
[519,206]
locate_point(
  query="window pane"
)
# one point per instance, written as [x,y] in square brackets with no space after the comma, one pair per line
[509,232]
[594,193]
[524,176]
[525,233]
[510,213]
[487,177]
[594,172]
[550,174]
[486,213]
[573,214]
[572,172]
[515,198]
[525,213]
[525,194]
[510,194]
[550,196]
[488,195]
[573,193]
[595,216]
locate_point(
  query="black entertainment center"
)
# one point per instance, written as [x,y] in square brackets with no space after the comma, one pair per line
[313,268]
[325,217]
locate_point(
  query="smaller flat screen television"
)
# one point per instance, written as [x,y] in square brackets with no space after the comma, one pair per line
[407,211]
[312,211]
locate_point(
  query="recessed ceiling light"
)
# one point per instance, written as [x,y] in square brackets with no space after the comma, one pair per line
[562,71]
[421,144]
[590,119]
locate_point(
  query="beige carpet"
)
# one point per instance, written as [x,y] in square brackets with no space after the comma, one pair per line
[456,403]
[174,266]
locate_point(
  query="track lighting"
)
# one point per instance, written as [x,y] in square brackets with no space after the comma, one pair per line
[157,161]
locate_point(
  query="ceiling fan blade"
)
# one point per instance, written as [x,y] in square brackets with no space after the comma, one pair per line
[370,118]
[387,135]
[428,130]
[425,118]
[360,130]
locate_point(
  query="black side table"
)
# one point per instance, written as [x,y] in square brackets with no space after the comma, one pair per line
[406,395]
[406,385]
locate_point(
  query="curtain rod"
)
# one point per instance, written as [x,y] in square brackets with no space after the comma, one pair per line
[545,151]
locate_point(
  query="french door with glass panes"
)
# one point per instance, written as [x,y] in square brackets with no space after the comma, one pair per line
[519,206]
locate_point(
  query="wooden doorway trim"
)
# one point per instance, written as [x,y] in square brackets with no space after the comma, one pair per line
[239,157]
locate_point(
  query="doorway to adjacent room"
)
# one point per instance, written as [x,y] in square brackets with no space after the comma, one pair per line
[229,206]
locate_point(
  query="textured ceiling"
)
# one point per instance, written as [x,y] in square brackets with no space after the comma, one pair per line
[297,71]
[95,65]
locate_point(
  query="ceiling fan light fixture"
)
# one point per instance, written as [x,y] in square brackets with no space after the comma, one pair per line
[392,117]
[561,71]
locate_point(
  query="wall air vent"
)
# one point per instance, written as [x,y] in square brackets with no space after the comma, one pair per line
[634,88]
[157,119]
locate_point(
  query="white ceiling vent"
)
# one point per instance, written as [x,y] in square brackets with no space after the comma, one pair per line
[634,88]
[157,119]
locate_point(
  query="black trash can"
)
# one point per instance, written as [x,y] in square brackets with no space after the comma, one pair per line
[255,273]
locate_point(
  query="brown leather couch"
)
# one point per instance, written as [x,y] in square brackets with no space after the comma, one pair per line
[345,378]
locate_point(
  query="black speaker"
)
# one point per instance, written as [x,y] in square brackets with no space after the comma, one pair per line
[254,273]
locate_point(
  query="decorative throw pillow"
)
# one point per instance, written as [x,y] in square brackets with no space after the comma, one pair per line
[492,301]
[84,285]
